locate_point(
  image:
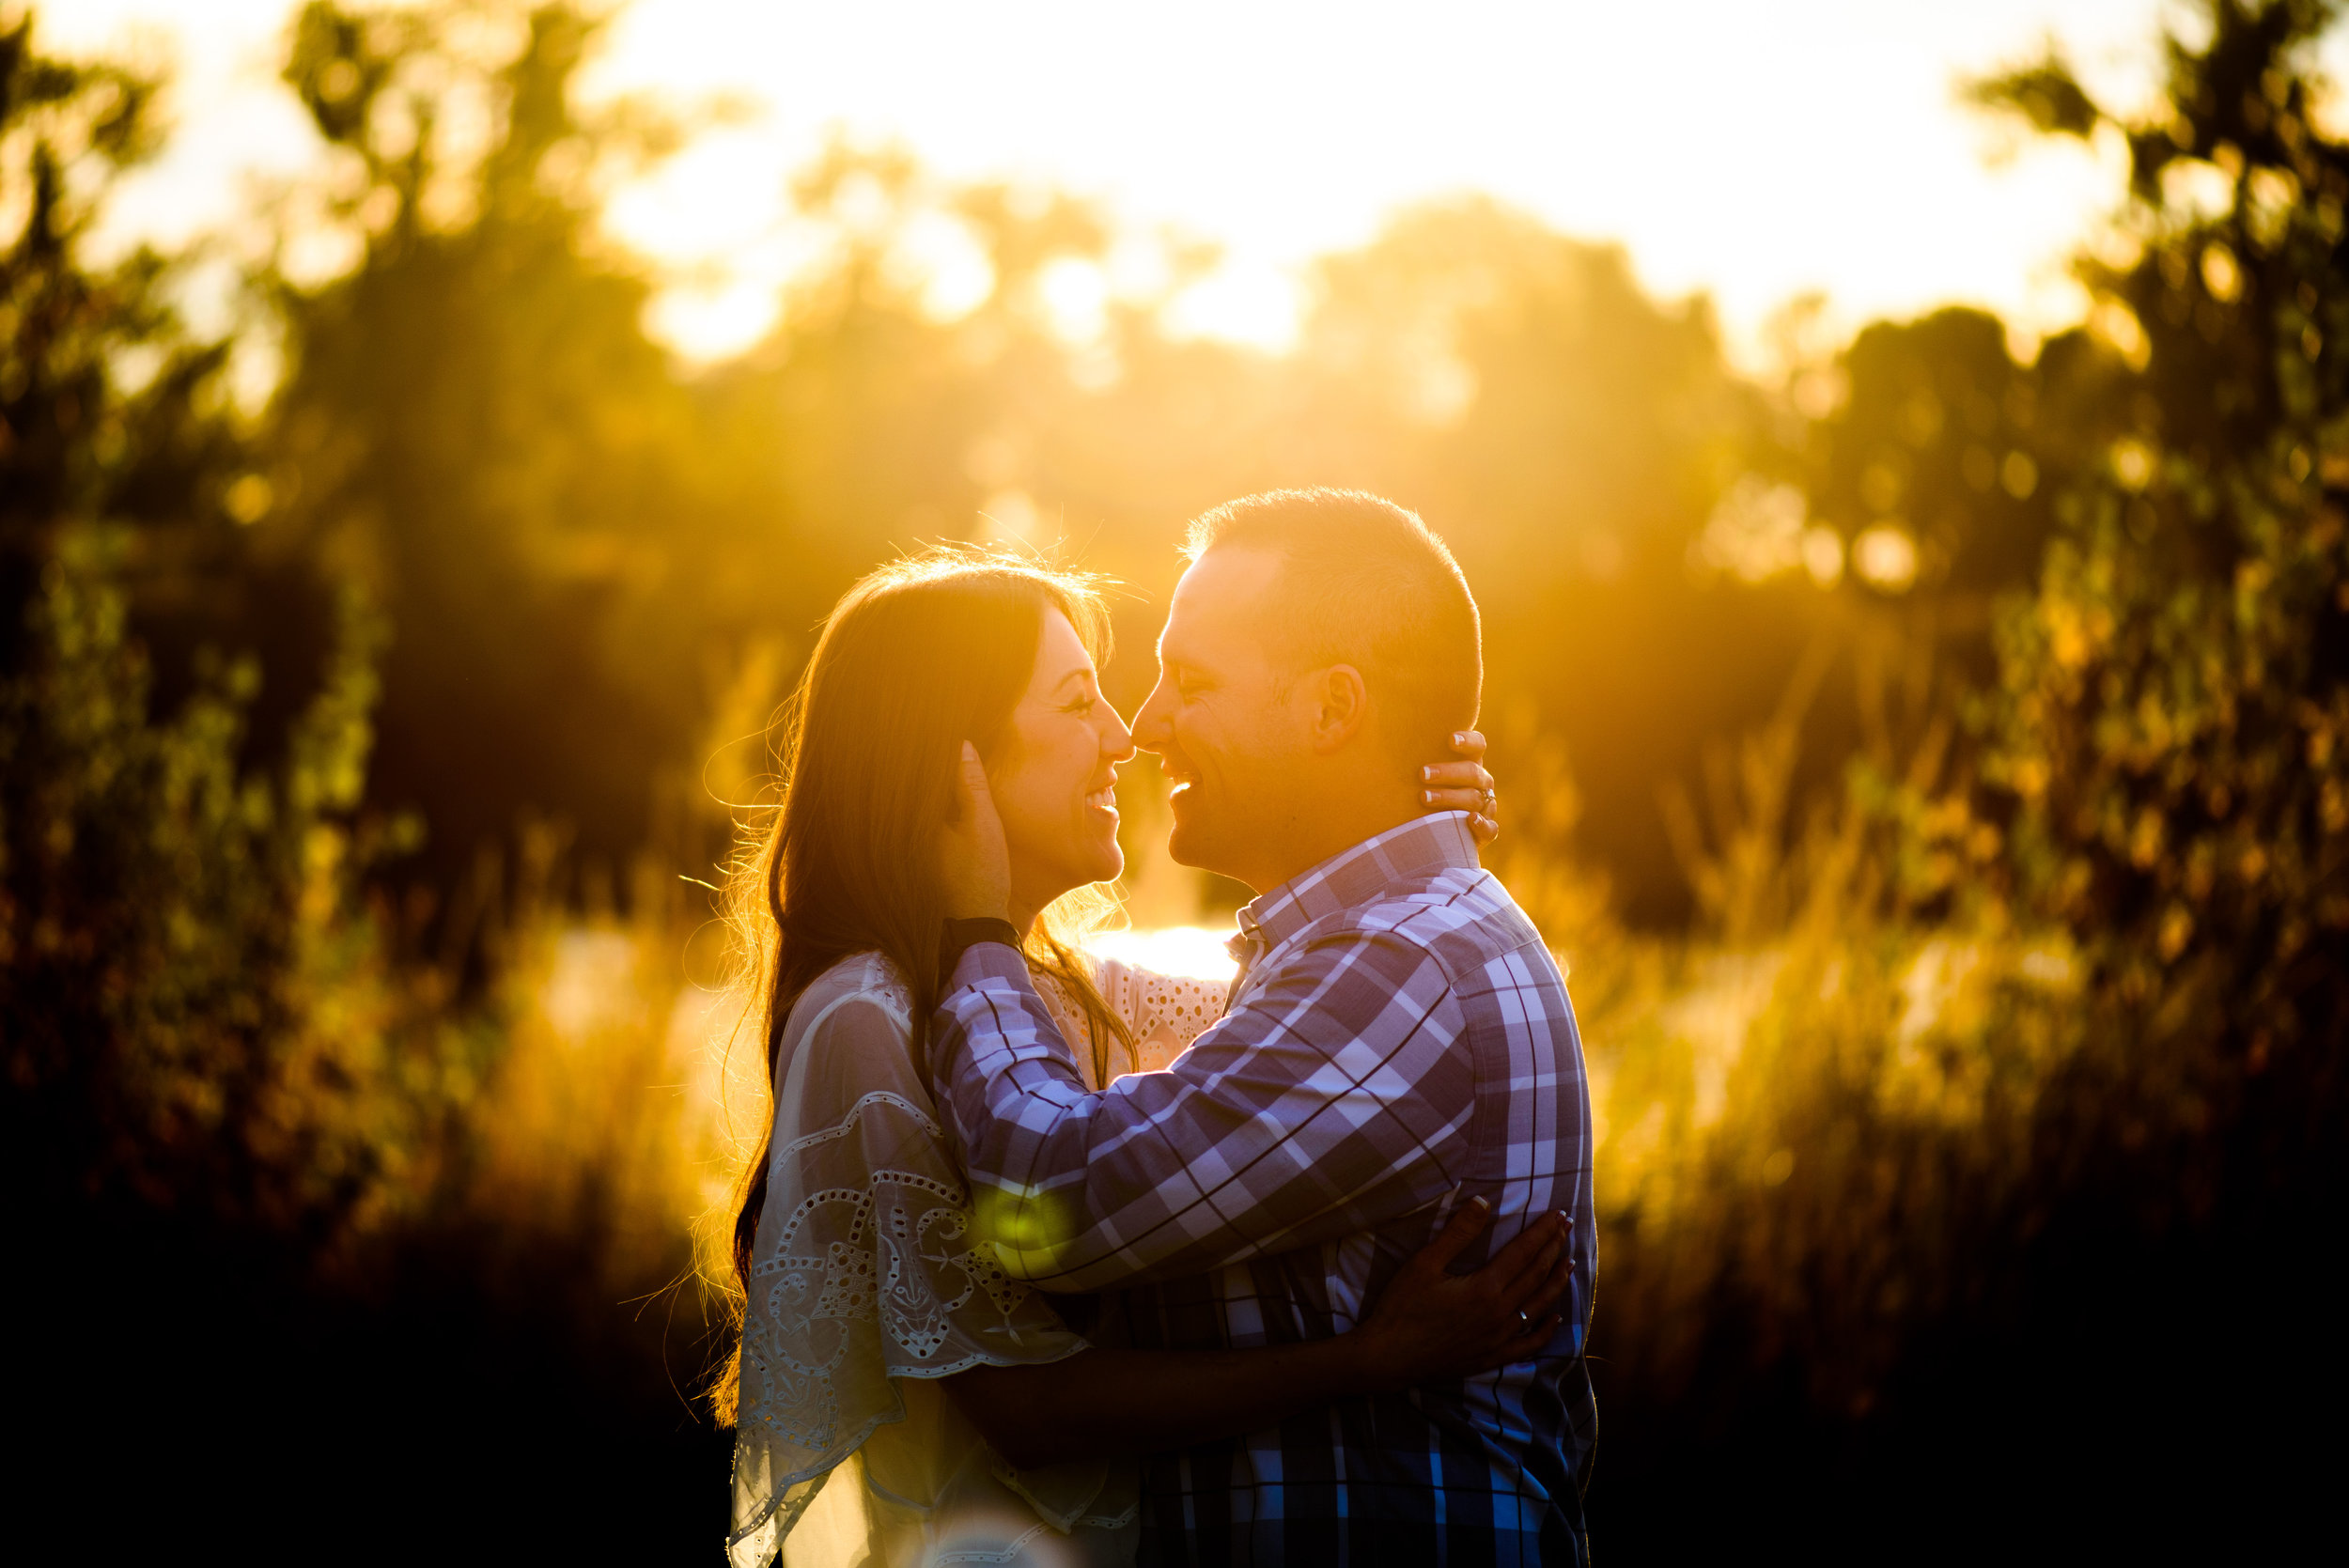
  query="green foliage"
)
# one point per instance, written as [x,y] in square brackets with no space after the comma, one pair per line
[192,1014]
[192,1011]
[474,426]
[1818,1153]
[62,435]
[2063,981]
[2166,733]
[1943,436]
[1903,990]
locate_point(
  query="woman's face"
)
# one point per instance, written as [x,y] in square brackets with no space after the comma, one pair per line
[1053,777]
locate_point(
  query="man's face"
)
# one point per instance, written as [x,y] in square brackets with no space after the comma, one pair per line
[1222,718]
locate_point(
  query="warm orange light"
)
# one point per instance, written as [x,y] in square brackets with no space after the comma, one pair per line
[1754,152]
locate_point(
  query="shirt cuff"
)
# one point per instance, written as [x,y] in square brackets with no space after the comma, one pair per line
[986,960]
[957,935]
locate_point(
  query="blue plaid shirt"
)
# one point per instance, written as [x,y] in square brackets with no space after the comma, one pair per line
[1398,1040]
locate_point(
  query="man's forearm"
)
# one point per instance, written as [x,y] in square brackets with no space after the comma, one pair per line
[1007,1084]
[1297,1118]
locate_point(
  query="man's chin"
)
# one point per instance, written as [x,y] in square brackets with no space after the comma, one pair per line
[1190,844]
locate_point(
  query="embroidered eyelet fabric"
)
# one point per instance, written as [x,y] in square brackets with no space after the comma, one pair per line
[1166,1012]
[865,1269]
[868,1282]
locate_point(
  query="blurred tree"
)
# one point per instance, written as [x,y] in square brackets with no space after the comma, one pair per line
[184,1003]
[473,424]
[869,421]
[1940,440]
[1525,383]
[1570,435]
[584,551]
[577,544]
[2168,733]
[2107,1266]
[2147,816]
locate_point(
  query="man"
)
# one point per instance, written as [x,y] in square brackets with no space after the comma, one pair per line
[1398,1041]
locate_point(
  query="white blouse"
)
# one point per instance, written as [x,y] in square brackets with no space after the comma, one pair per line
[868,1283]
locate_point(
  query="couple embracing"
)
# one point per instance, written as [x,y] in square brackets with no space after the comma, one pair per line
[1050,1260]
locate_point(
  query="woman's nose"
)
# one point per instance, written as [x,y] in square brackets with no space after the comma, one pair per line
[1116,739]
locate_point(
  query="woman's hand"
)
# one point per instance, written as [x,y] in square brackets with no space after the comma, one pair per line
[1432,1323]
[974,865]
[1464,787]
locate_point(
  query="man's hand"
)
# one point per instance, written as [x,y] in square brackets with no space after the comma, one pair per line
[975,868]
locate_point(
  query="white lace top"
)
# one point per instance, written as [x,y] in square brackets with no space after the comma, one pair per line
[868,1284]
[1166,1012]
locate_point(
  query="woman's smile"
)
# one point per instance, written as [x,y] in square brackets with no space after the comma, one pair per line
[1055,778]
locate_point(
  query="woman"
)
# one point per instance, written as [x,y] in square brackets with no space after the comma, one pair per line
[901,1400]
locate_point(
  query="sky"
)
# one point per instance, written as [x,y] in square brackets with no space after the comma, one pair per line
[1754,152]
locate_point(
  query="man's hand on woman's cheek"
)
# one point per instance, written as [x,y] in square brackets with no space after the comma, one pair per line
[973,863]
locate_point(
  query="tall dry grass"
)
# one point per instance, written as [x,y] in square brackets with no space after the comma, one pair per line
[1814,1112]
[1813,1107]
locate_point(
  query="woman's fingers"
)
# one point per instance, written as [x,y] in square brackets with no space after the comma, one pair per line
[1506,1310]
[1482,807]
[1521,1265]
[1530,1344]
[1463,787]
[1540,1288]
[1467,777]
[1470,744]
[1553,1292]
[1527,1281]
[1469,1222]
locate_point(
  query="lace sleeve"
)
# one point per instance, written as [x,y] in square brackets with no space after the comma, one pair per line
[865,1266]
[1166,1012]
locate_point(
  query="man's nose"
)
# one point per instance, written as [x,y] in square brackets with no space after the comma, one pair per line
[1153,729]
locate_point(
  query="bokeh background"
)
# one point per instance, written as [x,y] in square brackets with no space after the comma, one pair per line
[1901,464]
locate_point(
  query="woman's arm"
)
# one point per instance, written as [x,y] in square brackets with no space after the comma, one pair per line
[1430,1323]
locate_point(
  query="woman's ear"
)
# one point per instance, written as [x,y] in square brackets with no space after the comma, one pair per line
[1339,703]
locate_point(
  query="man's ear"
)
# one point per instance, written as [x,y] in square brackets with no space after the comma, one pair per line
[1339,705]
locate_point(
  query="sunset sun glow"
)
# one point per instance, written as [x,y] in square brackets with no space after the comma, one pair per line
[1756,154]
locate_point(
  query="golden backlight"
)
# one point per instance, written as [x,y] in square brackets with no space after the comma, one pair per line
[1916,691]
[1757,153]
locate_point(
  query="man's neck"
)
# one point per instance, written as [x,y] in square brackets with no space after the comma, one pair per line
[1335,827]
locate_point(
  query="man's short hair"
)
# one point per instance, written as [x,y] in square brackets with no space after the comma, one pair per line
[1365,582]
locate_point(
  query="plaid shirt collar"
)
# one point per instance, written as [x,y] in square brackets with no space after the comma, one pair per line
[1351,877]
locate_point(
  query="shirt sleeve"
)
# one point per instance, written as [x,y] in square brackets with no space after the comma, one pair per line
[1332,1098]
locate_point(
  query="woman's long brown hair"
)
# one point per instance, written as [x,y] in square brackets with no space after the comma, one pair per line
[918,657]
